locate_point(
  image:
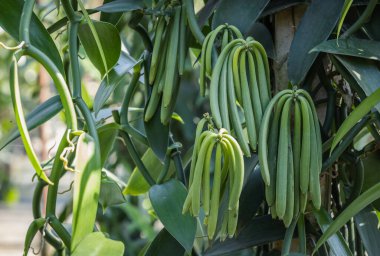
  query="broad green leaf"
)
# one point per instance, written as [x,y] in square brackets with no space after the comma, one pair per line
[164,244]
[136,184]
[121,6]
[366,223]
[356,206]
[109,41]
[359,112]
[86,188]
[107,135]
[116,76]
[141,221]
[97,244]
[336,242]
[346,7]
[157,135]
[167,201]
[355,47]
[21,123]
[10,15]
[110,193]
[311,31]
[42,113]
[32,231]
[112,18]
[277,6]
[262,34]
[239,13]
[371,165]
[261,230]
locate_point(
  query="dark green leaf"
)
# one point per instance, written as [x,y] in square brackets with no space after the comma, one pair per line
[372,27]
[86,189]
[107,135]
[240,13]
[42,113]
[336,242]
[109,40]
[121,6]
[96,244]
[352,47]
[112,18]
[261,33]
[279,5]
[356,206]
[359,112]
[167,200]
[371,165]
[110,193]
[311,31]
[116,76]
[10,15]
[261,230]
[164,244]
[366,223]
[157,134]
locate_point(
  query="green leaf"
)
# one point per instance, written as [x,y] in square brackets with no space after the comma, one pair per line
[356,206]
[136,184]
[96,244]
[116,76]
[366,223]
[261,230]
[359,112]
[121,6]
[107,135]
[110,193]
[262,34]
[157,135]
[141,220]
[372,27]
[311,31]
[21,123]
[86,188]
[277,6]
[42,113]
[355,47]
[240,13]
[109,41]
[112,18]
[10,15]
[346,7]
[167,201]
[164,244]
[336,242]
[371,165]
[32,231]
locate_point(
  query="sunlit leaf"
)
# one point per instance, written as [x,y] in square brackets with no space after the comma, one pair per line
[96,244]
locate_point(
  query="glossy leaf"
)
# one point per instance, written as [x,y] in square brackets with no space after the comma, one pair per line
[96,244]
[121,6]
[21,123]
[110,193]
[366,223]
[355,47]
[86,188]
[107,135]
[239,13]
[136,183]
[356,206]
[359,112]
[336,242]
[116,76]
[167,201]
[42,113]
[164,244]
[158,135]
[261,230]
[10,15]
[311,31]
[109,40]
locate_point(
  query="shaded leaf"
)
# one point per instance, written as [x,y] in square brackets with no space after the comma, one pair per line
[359,112]
[42,113]
[279,5]
[261,34]
[164,244]
[10,16]
[366,223]
[346,7]
[112,18]
[356,206]
[239,13]
[371,165]
[96,244]
[363,48]
[110,193]
[121,6]
[261,230]
[32,231]
[167,201]
[336,242]
[86,188]
[311,31]
[107,135]
[109,40]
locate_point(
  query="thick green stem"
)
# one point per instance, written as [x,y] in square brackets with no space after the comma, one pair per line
[26,16]
[193,23]
[89,120]
[60,230]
